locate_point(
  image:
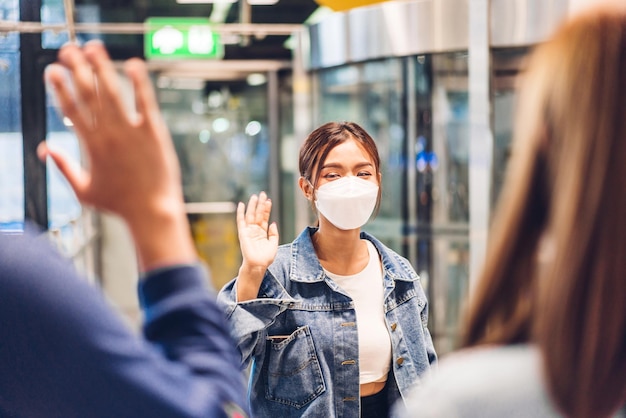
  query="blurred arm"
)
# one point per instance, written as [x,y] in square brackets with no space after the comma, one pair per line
[65,352]
[72,354]
[132,166]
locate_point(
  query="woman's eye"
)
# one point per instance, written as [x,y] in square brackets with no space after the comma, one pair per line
[331,176]
[364,174]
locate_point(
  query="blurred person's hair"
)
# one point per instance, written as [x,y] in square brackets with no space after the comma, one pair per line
[555,270]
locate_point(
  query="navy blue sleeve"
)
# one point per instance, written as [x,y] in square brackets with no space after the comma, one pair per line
[64,352]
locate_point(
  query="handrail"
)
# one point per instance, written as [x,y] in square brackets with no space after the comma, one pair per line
[256,29]
[210,207]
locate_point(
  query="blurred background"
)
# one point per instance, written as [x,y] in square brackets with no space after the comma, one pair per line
[241,83]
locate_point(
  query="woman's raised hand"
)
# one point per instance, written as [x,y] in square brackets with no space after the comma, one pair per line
[258,240]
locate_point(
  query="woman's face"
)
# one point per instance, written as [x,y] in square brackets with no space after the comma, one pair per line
[348,159]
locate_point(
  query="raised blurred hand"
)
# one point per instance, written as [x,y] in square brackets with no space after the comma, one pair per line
[259,243]
[132,169]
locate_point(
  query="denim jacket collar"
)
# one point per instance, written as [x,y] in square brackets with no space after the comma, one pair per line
[306,268]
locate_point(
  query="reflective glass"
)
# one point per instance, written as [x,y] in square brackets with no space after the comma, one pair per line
[11,161]
[507,65]
[441,158]
[71,227]
[221,137]
[432,231]
[53,12]
[370,94]
[11,153]
[289,173]
[63,206]
[9,11]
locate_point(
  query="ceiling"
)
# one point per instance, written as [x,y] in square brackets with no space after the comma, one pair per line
[137,11]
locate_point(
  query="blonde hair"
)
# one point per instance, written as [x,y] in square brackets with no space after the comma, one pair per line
[555,272]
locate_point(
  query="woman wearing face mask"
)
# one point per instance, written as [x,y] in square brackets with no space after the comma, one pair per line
[334,323]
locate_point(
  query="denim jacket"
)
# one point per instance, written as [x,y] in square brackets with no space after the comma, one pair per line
[301,334]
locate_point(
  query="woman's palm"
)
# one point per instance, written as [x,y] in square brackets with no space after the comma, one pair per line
[257,238]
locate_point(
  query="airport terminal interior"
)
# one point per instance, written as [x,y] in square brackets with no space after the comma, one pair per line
[242,82]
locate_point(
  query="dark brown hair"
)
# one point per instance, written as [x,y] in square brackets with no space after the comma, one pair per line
[318,144]
[555,270]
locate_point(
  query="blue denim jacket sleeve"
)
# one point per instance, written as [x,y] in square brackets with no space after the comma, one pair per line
[249,319]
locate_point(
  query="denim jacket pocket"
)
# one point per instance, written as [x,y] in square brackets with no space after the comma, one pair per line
[294,376]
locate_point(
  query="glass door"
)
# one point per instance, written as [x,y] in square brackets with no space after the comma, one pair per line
[416,108]
[220,131]
[371,95]
[438,215]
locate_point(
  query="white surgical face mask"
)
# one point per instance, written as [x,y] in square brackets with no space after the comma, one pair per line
[348,202]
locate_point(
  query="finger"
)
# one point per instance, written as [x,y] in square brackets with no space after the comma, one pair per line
[75,176]
[272,233]
[42,151]
[145,100]
[57,78]
[261,214]
[241,220]
[251,209]
[112,107]
[73,58]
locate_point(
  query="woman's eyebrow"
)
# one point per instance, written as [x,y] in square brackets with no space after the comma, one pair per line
[339,165]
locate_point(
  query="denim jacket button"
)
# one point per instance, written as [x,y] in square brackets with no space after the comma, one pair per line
[394,326]
[400,360]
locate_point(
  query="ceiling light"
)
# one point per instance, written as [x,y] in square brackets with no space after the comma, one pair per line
[253,128]
[204,136]
[221,125]
[256,79]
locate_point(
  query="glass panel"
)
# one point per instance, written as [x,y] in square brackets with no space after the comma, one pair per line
[11,153]
[442,198]
[221,137]
[289,173]
[71,227]
[10,11]
[370,94]
[449,290]
[11,159]
[62,204]
[53,12]
[507,64]
[100,11]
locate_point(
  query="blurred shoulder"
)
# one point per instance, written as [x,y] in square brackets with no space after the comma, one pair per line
[485,381]
[30,249]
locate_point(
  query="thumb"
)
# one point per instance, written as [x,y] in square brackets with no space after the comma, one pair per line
[75,176]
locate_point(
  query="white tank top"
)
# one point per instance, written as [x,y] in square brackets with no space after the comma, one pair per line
[366,290]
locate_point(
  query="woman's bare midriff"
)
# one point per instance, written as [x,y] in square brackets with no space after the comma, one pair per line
[368,389]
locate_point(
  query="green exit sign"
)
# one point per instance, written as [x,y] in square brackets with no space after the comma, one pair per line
[181,38]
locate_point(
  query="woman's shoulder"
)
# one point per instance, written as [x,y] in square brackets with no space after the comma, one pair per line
[486,381]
